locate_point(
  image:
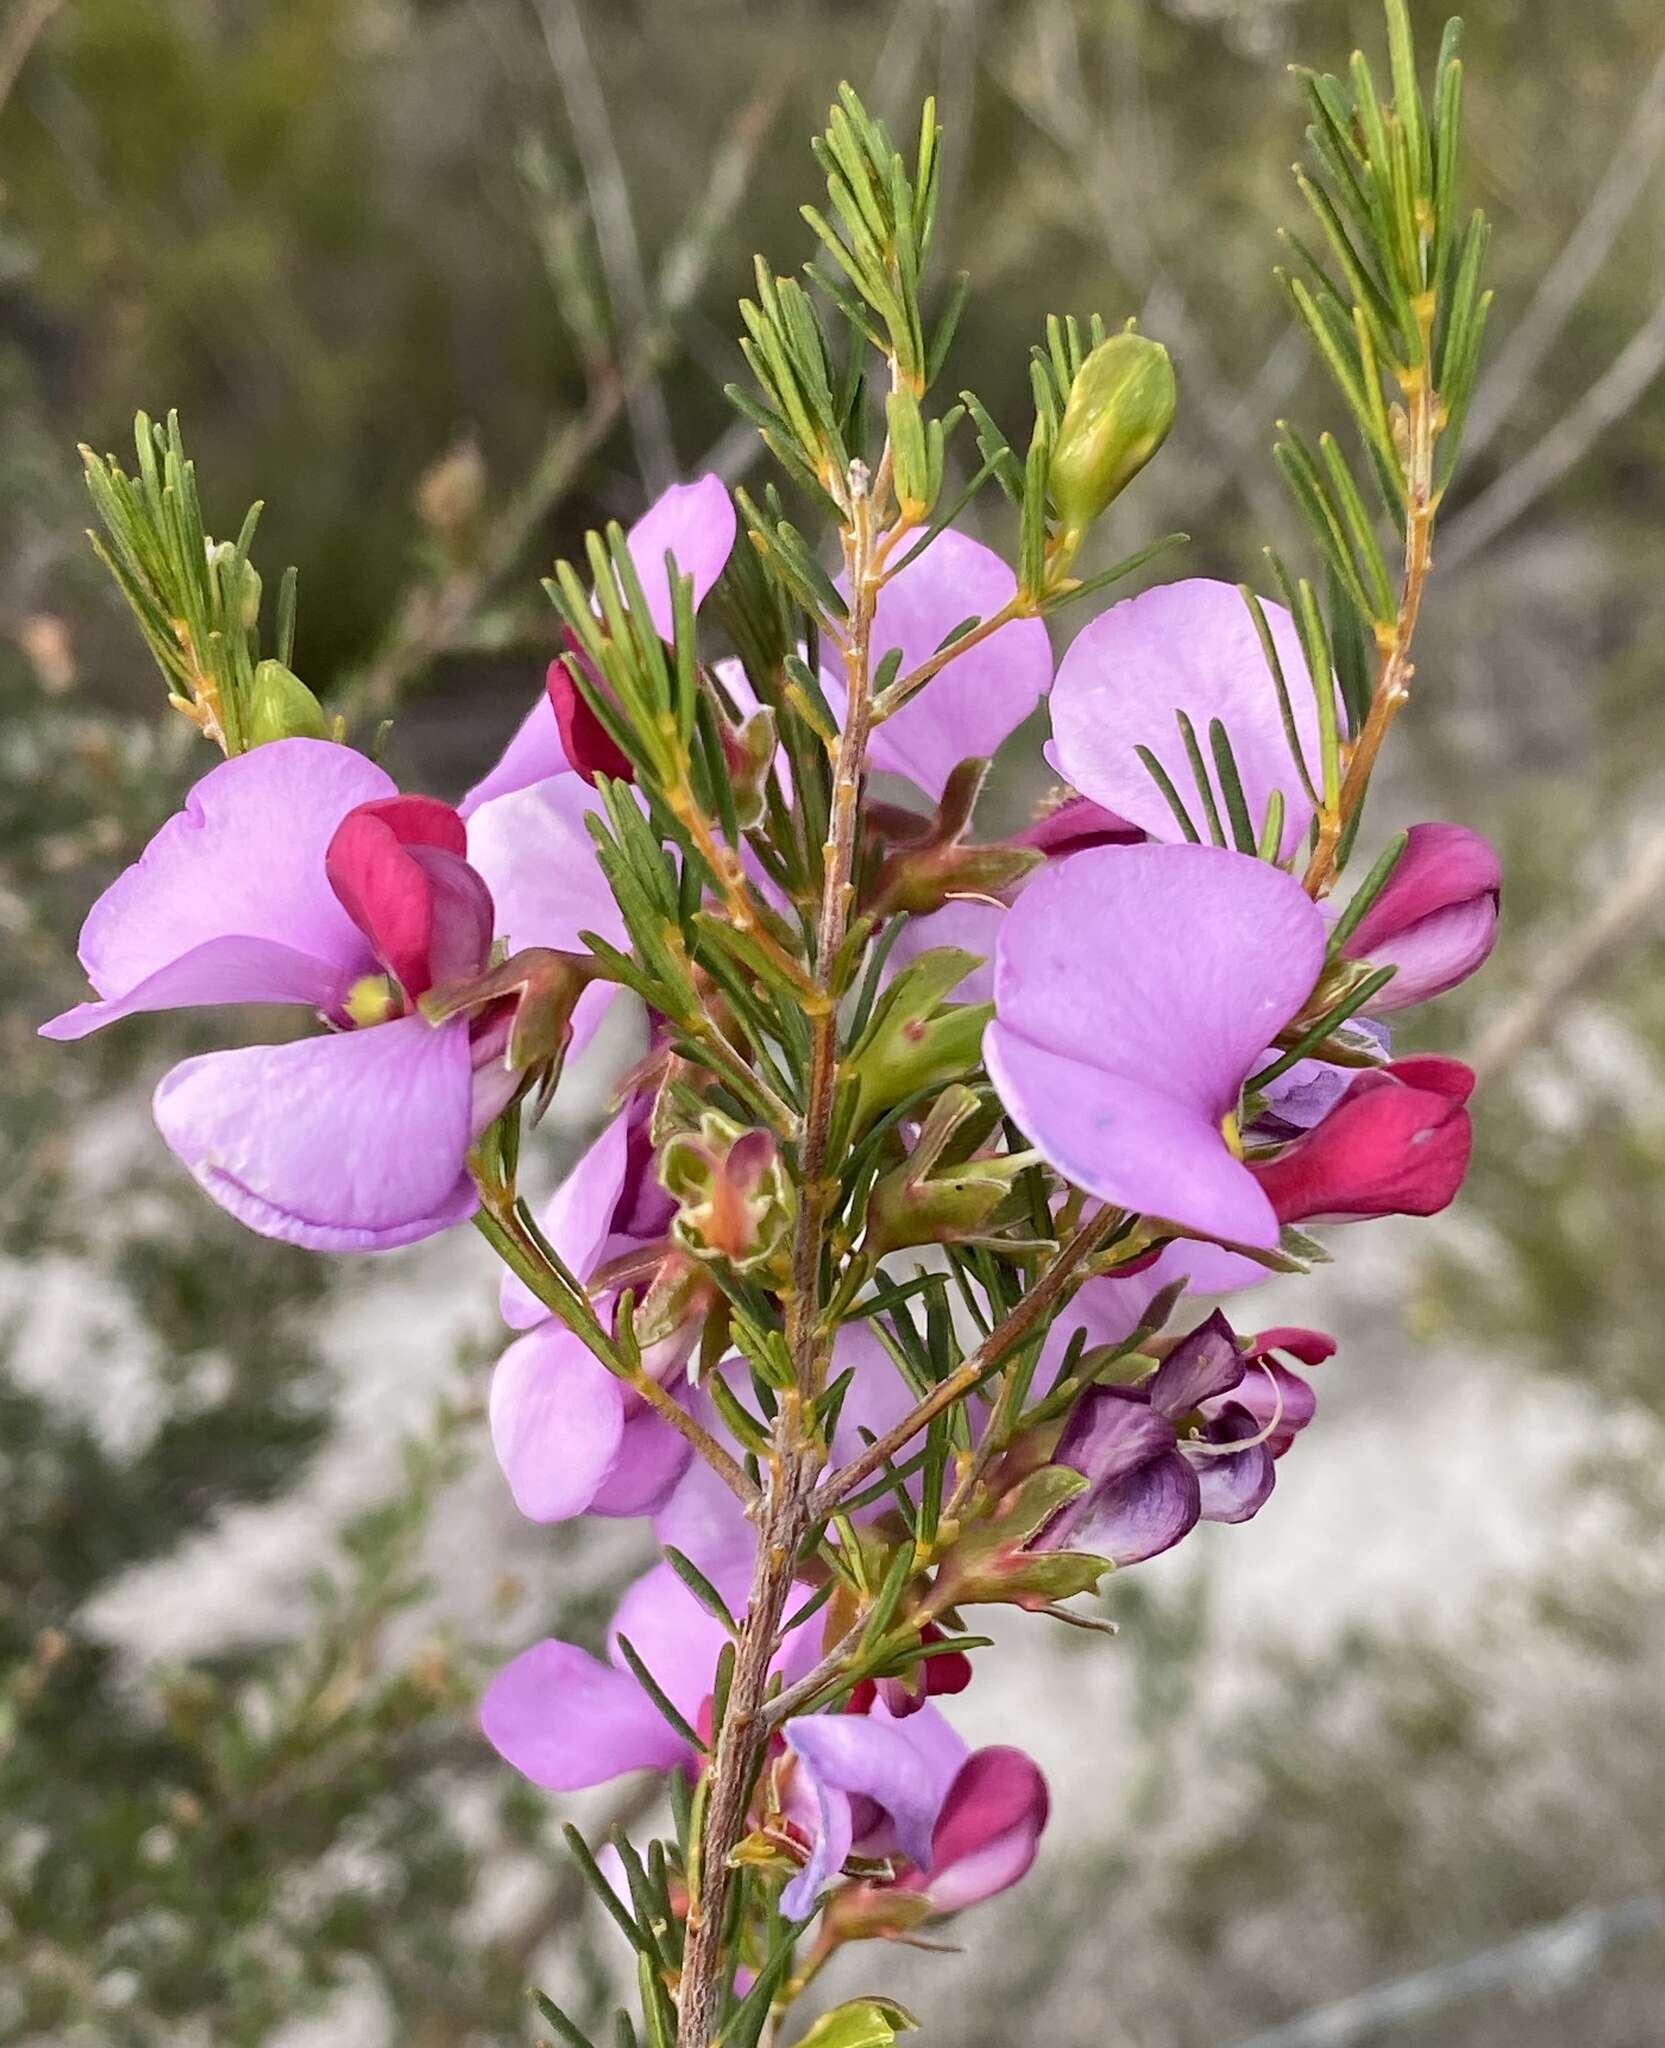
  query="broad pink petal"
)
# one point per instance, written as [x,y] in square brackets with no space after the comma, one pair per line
[243,861]
[652,1459]
[566,1720]
[228,970]
[1135,989]
[674,1636]
[354,1142]
[1191,647]
[982,695]
[557,1420]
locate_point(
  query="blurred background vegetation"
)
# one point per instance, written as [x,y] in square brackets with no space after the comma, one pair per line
[443,281]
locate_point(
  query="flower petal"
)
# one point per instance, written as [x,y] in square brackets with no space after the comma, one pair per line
[1237,1486]
[674,1636]
[243,861]
[1142,1515]
[228,970]
[565,1720]
[1436,918]
[989,1830]
[557,1420]
[652,1459]
[1135,988]
[534,753]
[534,853]
[1191,647]
[1392,1146]
[577,1219]
[693,522]
[983,694]
[354,1142]
[1202,1365]
[904,1766]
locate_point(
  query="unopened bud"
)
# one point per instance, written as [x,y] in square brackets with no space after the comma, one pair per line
[223,556]
[1118,413]
[281,707]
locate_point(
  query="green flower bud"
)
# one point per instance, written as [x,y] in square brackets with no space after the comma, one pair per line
[223,555]
[1118,413]
[281,707]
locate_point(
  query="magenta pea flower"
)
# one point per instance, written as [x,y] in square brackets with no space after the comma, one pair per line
[297,873]
[1136,988]
[1396,1144]
[571,1436]
[1435,920]
[694,523]
[1184,647]
[981,696]
[1197,1441]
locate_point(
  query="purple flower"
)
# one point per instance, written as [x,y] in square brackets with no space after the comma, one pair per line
[1136,988]
[964,1825]
[1190,647]
[570,1436]
[1196,1441]
[979,697]
[1436,918]
[695,524]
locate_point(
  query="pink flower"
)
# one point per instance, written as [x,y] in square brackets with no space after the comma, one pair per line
[1183,647]
[982,695]
[298,874]
[1136,988]
[964,1824]
[1435,919]
[1396,1144]
[570,1436]
[694,523]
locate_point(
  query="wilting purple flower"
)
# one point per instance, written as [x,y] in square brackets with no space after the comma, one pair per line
[1196,1441]
[966,1824]
[1136,988]
[1396,1144]
[1191,647]
[1435,919]
[979,697]
[297,873]
[570,1436]
[695,524]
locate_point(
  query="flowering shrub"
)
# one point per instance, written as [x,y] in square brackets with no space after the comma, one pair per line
[875,1294]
